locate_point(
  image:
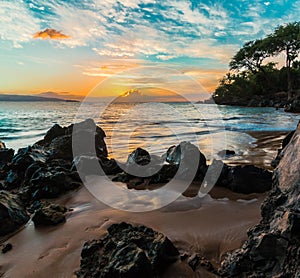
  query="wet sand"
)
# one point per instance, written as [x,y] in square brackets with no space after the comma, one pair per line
[263,151]
[210,226]
[207,226]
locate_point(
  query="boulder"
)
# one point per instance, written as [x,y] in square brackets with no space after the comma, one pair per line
[20,163]
[273,246]
[47,214]
[89,165]
[6,156]
[12,213]
[50,182]
[248,179]
[54,132]
[187,156]
[84,138]
[164,174]
[27,156]
[127,251]
[139,156]
[196,261]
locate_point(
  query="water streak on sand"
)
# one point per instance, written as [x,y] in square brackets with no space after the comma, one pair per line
[207,226]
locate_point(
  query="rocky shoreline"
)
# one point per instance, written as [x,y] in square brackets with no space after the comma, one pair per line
[47,170]
[278,100]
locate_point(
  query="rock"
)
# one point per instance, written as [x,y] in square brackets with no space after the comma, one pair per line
[52,181]
[273,246]
[6,156]
[249,179]
[27,156]
[187,156]
[89,165]
[244,179]
[19,164]
[54,132]
[12,213]
[285,142]
[13,180]
[223,178]
[6,248]
[49,214]
[197,261]
[61,148]
[84,138]
[127,251]
[224,153]
[163,176]
[139,156]
[293,106]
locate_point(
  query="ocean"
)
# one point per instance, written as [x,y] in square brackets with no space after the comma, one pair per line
[153,126]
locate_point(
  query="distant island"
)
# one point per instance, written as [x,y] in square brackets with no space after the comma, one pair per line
[17,98]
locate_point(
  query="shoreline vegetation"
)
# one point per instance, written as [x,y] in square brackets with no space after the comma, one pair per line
[255,78]
[43,195]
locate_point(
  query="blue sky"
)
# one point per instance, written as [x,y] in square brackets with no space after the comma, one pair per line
[70,46]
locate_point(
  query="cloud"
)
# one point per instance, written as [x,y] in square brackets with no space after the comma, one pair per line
[17,23]
[145,29]
[51,34]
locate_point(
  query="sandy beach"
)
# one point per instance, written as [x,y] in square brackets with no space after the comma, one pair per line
[209,226]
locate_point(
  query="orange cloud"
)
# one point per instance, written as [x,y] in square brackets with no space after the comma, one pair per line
[50,34]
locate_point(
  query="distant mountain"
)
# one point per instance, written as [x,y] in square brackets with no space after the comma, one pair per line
[5,97]
[60,95]
[134,96]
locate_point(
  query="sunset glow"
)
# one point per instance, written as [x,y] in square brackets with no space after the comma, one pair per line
[69,47]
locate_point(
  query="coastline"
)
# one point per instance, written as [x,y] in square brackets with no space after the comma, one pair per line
[210,226]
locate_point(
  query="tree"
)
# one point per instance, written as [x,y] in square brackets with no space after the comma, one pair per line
[250,57]
[286,39]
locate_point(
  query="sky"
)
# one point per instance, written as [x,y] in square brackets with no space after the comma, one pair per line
[69,47]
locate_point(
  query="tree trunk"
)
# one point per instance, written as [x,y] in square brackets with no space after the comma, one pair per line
[288,74]
[289,81]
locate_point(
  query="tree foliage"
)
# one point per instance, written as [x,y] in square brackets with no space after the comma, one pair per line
[250,74]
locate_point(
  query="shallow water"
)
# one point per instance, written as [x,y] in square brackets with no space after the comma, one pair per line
[153,126]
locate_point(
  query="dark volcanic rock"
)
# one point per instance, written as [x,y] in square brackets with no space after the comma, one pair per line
[197,261]
[139,156]
[19,164]
[244,179]
[224,153]
[6,156]
[249,179]
[273,246]
[285,142]
[44,170]
[89,165]
[84,138]
[49,214]
[293,106]
[127,251]
[184,152]
[187,156]
[54,132]
[50,182]
[12,213]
